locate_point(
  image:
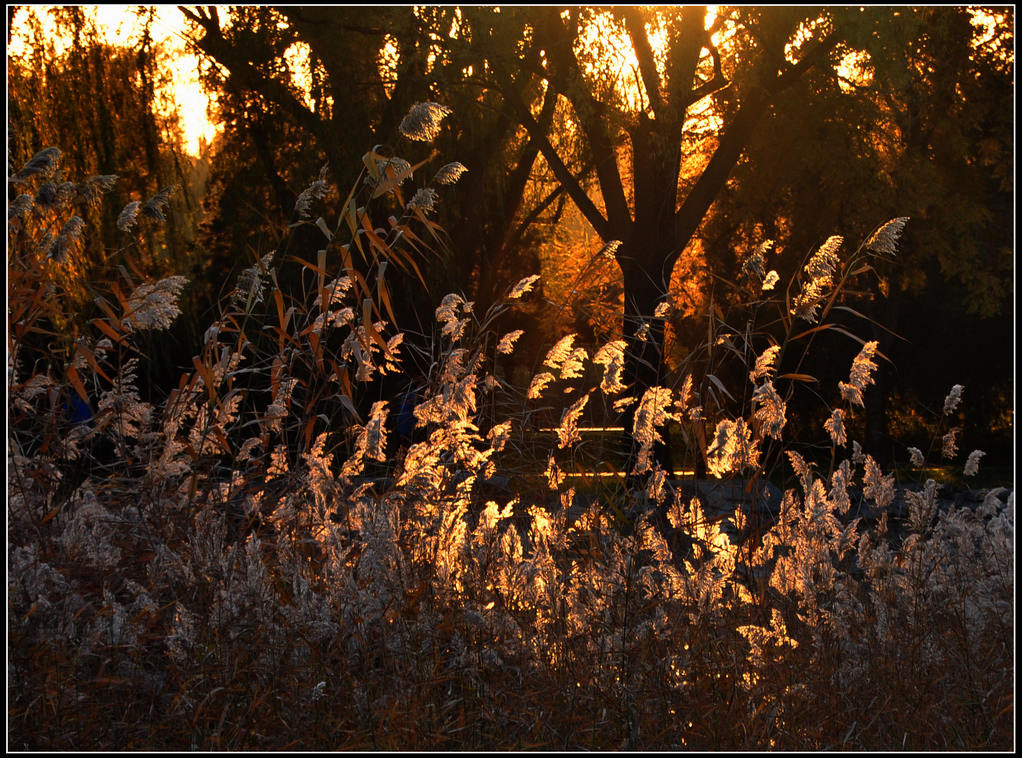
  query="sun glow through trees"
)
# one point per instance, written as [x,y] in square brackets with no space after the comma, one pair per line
[122,25]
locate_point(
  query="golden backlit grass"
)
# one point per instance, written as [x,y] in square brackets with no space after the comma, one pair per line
[254,563]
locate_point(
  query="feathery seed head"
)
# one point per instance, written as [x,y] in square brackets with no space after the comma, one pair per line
[885,239]
[375,432]
[448,314]
[652,413]
[836,428]
[732,449]
[524,285]
[612,357]
[574,363]
[972,462]
[424,199]
[42,162]
[861,374]
[623,403]
[755,265]
[315,191]
[949,444]
[450,173]
[94,187]
[128,216]
[388,173]
[554,475]
[825,261]
[560,352]
[921,506]
[507,342]
[51,194]
[20,207]
[771,409]
[954,397]
[567,431]
[539,383]
[422,123]
[154,305]
[68,240]
[820,271]
[157,204]
[875,485]
[765,363]
[249,287]
[800,467]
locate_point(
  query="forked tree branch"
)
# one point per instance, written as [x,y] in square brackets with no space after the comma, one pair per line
[564,176]
[567,79]
[735,139]
[715,84]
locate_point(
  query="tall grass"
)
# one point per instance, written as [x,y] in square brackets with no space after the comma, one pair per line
[257,563]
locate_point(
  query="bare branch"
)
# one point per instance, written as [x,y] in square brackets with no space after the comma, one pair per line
[715,84]
[539,135]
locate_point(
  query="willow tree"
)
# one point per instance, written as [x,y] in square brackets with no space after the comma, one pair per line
[106,108]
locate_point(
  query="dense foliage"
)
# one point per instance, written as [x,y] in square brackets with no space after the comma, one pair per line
[737,123]
[688,136]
